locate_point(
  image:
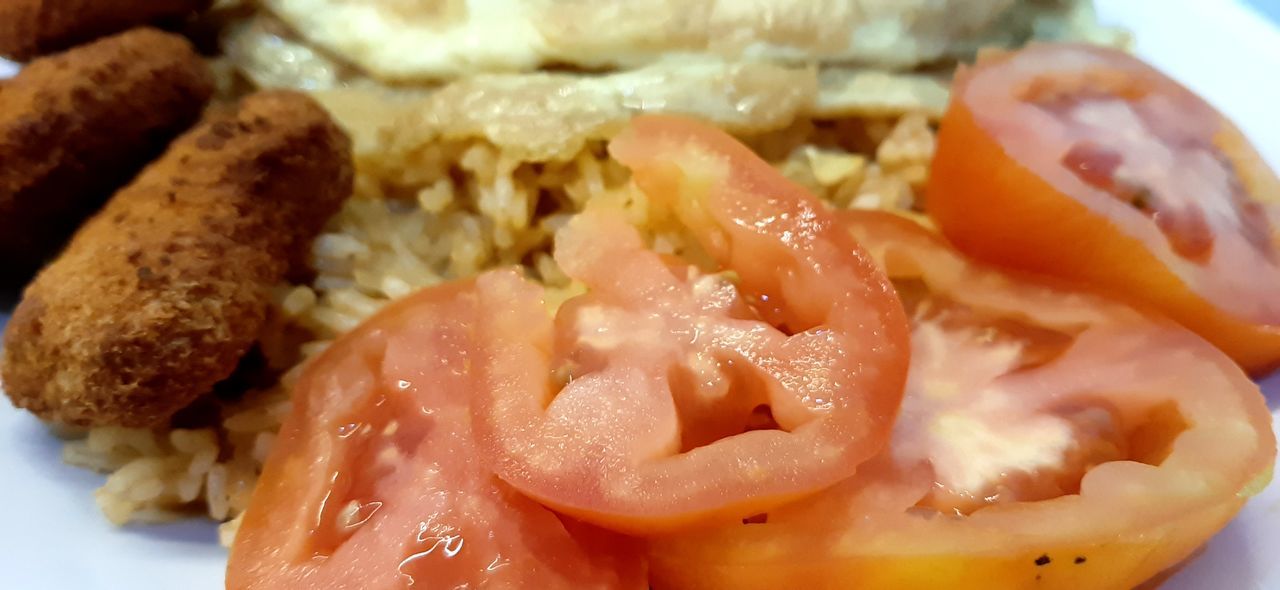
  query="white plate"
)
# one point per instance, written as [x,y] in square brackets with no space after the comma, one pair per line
[53,536]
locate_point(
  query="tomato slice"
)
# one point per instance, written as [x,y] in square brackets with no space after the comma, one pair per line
[1085,163]
[686,396]
[374,483]
[1048,439]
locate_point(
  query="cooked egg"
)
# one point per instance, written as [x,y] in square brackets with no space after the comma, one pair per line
[432,39]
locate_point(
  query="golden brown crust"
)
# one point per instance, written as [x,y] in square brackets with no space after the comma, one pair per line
[74,127]
[29,28]
[160,294]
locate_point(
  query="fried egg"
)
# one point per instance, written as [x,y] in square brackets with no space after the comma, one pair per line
[403,40]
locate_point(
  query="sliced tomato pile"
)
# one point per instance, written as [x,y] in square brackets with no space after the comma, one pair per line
[830,399]
[1085,163]
[667,395]
[663,368]
[374,483]
[1048,439]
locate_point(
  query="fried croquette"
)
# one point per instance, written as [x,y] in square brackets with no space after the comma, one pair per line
[159,294]
[77,126]
[29,28]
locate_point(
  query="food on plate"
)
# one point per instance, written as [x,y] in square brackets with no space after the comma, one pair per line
[742,95]
[1025,404]
[559,338]
[434,202]
[660,367]
[1110,174]
[1048,438]
[375,480]
[393,429]
[29,28]
[76,126]
[394,40]
[159,295]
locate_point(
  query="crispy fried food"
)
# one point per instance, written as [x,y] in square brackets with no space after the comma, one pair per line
[75,127]
[159,295]
[29,28]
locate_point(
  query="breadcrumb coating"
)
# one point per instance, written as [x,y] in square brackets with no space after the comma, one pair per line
[159,295]
[29,28]
[76,126]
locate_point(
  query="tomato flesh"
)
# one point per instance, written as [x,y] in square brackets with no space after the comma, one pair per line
[666,370]
[1094,463]
[374,480]
[1084,163]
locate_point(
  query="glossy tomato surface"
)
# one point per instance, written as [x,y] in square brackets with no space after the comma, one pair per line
[690,395]
[1085,163]
[374,480]
[1048,439]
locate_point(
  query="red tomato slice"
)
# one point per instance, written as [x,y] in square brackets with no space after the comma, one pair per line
[1085,163]
[1048,439]
[374,482]
[686,397]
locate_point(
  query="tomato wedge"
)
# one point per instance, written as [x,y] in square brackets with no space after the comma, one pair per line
[685,395]
[1048,439]
[374,483]
[1085,163]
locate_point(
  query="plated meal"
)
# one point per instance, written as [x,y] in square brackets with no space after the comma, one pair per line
[560,295]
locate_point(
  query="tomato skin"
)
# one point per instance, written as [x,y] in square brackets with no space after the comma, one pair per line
[1118,565]
[997,209]
[823,348]
[1130,522]
[381,417]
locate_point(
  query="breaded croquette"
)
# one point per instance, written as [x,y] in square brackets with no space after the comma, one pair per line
[29,28]
[77,126]
[159,295]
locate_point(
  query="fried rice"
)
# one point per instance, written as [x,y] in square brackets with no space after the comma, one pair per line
[425,211]
[479,174]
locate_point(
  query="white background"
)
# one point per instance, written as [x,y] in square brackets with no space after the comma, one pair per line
[52,536]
